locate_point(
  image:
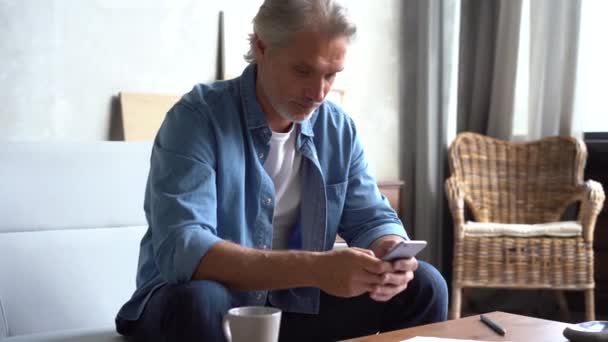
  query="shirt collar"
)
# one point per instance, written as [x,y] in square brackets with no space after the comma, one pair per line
[306,126]
[253,111]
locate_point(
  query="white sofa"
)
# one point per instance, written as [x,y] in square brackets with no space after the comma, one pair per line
[71,219]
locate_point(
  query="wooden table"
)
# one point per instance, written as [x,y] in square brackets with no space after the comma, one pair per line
[519,329]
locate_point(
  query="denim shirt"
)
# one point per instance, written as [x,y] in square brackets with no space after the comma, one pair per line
[207,183]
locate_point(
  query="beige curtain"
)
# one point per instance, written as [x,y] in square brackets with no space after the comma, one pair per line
[489,41]
[554,27]
[518,68]
[427,71]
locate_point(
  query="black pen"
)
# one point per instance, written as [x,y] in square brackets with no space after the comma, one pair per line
[497,328]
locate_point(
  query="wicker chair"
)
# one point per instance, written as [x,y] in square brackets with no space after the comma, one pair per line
[516,194]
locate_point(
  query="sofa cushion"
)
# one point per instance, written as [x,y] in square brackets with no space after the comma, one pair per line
[63,185]
[66,279]
[79,335]
[71,219]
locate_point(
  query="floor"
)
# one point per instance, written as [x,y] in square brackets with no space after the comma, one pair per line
[534,303]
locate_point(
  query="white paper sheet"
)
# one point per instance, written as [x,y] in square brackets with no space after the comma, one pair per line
[436,339]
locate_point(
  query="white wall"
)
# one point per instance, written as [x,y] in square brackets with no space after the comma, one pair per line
[62,61]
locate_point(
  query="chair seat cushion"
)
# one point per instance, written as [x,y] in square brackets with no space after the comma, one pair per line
[491,229]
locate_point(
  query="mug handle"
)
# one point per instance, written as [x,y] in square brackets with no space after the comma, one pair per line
[226,327]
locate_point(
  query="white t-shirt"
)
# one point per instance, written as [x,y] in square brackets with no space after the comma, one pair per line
[283,166]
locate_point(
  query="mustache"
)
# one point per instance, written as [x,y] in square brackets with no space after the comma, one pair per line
[307,103]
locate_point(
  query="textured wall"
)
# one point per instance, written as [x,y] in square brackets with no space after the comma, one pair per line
[62,61]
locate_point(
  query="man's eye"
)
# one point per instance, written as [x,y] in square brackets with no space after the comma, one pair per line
[302,72]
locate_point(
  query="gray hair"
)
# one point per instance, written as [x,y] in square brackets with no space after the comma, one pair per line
[278,20]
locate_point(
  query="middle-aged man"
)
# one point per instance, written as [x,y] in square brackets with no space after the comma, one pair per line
[250,181]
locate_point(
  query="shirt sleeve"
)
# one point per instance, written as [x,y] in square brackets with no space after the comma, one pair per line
[367,214]
[181,192]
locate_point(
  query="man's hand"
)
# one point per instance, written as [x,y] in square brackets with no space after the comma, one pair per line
[382,245]
[400,274]
[350,272]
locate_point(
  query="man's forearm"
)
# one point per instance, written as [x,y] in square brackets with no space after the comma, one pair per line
[248,269]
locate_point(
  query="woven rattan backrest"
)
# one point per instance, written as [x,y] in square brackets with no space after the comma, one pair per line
[517,182]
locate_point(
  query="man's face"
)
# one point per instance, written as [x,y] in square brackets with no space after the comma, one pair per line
[293,80]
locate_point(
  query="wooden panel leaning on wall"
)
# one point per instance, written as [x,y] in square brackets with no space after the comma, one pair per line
[142,114]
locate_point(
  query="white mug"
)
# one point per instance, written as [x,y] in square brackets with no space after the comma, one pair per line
[252,324]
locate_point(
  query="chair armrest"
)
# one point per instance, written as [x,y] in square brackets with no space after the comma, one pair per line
[592,201]
[455,195]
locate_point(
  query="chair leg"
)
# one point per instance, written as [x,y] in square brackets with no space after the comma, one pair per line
[564,312]
[456,302]
[589,305]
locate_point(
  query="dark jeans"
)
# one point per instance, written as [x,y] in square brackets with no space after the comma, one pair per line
[194,311]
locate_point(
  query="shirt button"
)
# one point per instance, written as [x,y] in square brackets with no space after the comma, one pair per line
[268,201]
[261,155]
[264,246]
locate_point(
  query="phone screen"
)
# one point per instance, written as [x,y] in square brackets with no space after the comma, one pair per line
[405,249]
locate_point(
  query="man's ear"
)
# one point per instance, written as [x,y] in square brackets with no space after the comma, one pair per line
[260,47]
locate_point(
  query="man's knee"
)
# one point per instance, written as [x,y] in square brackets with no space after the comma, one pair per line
[433,285]
[199,298]
[182,312]
[194,311]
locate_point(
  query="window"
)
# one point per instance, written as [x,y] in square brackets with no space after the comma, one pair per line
[592,74]
[590,107]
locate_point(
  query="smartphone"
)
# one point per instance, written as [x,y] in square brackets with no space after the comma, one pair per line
[405,249]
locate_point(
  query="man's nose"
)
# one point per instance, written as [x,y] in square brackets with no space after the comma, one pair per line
[316,90]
